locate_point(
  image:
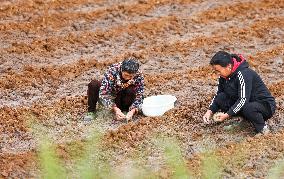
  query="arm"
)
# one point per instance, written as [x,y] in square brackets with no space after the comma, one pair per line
[105,93]
[213,106]
[244,92]
[139,91]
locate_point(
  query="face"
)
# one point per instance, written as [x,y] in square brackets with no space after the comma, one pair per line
[127,76]
[223,71]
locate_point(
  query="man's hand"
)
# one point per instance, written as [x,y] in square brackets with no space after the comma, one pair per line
[206,117]
[130,114]
[220,117]
[118,114]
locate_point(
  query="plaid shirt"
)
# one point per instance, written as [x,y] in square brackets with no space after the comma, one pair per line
[112,84]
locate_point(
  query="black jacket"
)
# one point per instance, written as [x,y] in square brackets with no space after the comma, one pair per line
[242,86]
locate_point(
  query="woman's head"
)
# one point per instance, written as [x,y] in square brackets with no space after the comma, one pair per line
[222,63]
[129,68]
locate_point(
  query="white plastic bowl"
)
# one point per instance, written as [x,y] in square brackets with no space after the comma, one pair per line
[157,105]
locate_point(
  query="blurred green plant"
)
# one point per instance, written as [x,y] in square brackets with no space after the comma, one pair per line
[211,167]
[51,167]
[277,171]
[49,162]
[138,167]
[94,162]
[174,158]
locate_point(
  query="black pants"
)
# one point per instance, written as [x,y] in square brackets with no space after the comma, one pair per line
[123,100]
[255,112]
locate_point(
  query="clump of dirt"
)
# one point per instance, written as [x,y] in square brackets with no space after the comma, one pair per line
[51,50]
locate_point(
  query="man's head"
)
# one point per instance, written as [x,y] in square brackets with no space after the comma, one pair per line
[129,68]
[222,63]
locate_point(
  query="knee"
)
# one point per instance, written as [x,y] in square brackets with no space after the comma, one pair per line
[130,91]
[94,84]
[248,109]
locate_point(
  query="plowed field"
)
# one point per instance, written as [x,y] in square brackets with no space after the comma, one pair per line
[51,49]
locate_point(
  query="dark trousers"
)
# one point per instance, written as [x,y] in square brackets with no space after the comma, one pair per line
[255,112]
[123,100]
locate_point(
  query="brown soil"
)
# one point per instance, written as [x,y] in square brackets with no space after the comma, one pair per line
[50,50]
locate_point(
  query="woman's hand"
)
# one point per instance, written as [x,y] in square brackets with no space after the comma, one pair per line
[130,114]
[118,114]
[220,117]
[206,117]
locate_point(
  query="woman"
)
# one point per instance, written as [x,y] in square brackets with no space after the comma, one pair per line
[241,91]
[121,89]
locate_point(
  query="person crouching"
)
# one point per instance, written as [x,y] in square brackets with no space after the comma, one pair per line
[121,89]
[241,91]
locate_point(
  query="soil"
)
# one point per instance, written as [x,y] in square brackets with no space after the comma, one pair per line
[51,50]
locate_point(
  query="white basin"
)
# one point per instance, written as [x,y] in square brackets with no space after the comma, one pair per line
[157,105]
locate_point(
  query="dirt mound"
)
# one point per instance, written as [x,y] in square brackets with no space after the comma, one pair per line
[51,50]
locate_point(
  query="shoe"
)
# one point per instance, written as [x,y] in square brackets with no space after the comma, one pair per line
[90,116]
[265,130]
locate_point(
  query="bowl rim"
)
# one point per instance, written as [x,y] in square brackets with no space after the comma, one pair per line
[163,105]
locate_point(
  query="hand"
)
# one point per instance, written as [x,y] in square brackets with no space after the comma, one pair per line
[130,114]
[206,117]
[220,117]
[118,114]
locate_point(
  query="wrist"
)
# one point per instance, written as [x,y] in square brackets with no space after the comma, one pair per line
[135,110]
[115,109]
[230,112]
[209,111]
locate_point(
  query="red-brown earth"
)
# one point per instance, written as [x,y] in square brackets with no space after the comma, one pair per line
[51,50]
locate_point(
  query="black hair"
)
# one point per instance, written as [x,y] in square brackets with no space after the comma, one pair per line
[223,59]
[130,65]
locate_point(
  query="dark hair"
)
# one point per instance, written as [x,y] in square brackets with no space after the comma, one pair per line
[223,59]
[130,65]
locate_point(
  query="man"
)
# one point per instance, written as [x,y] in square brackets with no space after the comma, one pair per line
[241,91]
[121,89]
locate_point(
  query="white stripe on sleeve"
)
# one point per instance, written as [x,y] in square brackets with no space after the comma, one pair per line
[243,93]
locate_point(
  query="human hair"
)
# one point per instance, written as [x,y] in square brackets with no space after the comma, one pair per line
[223,59]
[130,65]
